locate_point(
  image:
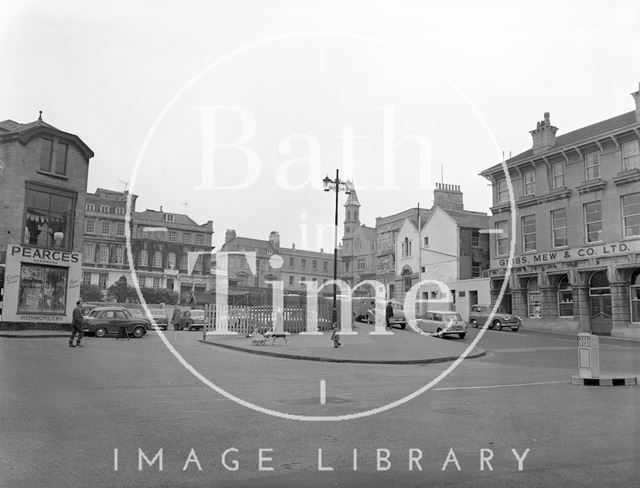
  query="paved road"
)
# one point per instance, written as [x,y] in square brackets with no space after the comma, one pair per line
[64,411]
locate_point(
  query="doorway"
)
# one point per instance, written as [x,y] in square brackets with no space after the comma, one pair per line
[600,304]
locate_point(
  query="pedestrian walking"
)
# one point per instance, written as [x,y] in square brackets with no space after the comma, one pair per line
[335,336]
[388,314]
[76,325]
[176,316]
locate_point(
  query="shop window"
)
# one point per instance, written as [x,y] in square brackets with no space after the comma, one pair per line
[630,155]
[49,217]
[529,179]
[406,279]
[529,233]
[631,214]
[102,280]
[599,284]
[593,221]
[43,289]
[558,172]
[592,165]
[565,298]
[475,238]
[634,294]
[559,227]
[533,299]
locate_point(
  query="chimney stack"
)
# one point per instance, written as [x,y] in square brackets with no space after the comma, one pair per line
[544,135]
[636,97]
[448,197]
[229,235]
[274,239]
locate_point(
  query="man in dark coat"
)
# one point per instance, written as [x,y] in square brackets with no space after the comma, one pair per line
[388,314]
[76,325]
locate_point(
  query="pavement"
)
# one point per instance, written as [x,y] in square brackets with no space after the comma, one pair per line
[401,347]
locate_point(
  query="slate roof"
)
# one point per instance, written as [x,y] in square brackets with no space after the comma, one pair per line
[157,217]
[574,138]
[10,129]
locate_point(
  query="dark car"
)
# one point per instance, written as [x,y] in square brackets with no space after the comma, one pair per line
[480,314]
[108,320]
[190,320]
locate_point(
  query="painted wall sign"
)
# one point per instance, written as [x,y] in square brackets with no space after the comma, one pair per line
[41,285]
[571,254]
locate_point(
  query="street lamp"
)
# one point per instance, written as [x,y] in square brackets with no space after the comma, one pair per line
[337,186]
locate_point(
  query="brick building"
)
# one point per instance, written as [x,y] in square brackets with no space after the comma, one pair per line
[43,180]
[576,265]
[104,256]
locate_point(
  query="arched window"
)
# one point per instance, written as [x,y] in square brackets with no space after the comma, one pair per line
[634,294]
[599,284]
[406,279]
[565,298]
[533,298]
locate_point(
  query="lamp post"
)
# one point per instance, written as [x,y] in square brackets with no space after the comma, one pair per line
[337,186]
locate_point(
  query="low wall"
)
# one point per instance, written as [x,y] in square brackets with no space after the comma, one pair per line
[6,326]
[570,326]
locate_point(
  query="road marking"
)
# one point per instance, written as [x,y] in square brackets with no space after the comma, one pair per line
[532,349]
[323,392]
[498,386]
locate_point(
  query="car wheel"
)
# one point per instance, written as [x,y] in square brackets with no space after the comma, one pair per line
[474,323]
[463,335]
[515,329]
[100,332]
[138,332]
[403,325]
[497,325]
[440,333]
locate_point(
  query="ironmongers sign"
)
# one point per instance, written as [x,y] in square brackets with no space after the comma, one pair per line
[570,254]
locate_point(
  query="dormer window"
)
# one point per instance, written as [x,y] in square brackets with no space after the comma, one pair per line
[169,217]
[104,208]
[90,207]
[119,210]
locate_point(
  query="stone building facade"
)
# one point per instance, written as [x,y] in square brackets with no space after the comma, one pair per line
[104,257]
[576,265]
[298,265]
[43,180]
[162,243]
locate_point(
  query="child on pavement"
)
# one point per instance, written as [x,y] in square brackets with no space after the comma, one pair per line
[335,337]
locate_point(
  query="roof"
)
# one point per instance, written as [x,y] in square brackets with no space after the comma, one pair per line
[574,137]
[401,216]
[157,217]
[468,218]
[353,198]
[263,244]
[10,129]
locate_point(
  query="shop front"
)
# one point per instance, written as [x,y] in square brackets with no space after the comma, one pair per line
[589,289]
[40,285]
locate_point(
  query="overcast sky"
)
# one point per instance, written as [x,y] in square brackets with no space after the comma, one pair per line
[296,90]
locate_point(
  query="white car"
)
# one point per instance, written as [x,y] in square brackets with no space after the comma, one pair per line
[442,324]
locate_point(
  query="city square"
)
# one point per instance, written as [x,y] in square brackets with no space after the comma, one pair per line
[248,244]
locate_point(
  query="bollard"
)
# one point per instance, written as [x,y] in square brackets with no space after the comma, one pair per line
[588,355]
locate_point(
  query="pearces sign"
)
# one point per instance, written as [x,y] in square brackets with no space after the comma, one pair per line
[41,285]
[570,254]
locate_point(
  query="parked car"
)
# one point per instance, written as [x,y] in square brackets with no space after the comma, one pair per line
[190,320]
[442,324]
[479,315]
[398,315]
[160,318]
[108,320]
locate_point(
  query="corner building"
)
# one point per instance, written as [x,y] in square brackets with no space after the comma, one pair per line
[43,180]
[576,265]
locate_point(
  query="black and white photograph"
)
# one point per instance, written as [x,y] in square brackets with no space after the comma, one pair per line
[323,244]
